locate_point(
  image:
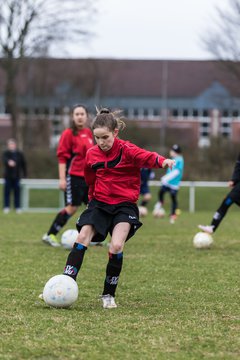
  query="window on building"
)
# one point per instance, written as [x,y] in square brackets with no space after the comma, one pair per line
[204,129]
[226,128]
[235,113]
[135,112]
[205,113]
[145,112]
[225,125]
[195,113]
[225,113]
[155,112]
[56,127]
[175,113]
[185,113]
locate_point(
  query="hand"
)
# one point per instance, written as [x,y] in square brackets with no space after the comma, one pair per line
[231,183]
[168,163]
[11,163]
[62,184]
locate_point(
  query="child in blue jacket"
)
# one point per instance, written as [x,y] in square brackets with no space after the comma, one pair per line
[171,182]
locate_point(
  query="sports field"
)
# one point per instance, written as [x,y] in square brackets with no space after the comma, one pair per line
[174,302]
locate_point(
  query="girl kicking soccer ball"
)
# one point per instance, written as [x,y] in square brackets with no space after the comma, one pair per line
[112,172]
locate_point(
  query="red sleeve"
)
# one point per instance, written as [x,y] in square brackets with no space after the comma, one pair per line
[144,158]
[64,147]
[90,176]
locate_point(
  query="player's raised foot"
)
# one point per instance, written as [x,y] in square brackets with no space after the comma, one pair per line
[108,301]
[50,240]
[173,218]
[206,228]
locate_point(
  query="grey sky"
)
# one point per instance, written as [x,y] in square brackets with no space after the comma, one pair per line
[152,29]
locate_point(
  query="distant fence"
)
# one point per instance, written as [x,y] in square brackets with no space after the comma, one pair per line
[48,184]
[38,184]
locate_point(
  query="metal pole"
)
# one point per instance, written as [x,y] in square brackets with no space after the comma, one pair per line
[192,198]
[164,111]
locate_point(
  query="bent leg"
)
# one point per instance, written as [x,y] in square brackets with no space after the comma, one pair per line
[61,219]
[161,194]
[75,258]
[221,212]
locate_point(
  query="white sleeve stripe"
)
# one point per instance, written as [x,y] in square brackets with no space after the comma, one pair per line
[171,175]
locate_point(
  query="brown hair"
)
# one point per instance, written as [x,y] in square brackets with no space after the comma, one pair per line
[73,125]
[109,119]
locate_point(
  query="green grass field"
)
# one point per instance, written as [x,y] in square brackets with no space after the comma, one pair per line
[174,302]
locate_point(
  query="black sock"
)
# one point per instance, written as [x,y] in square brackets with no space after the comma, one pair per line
[113,271]
[144,203]
[221,212]
[74,260]
[59,221]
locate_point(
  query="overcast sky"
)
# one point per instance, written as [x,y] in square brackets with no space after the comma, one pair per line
[150,29]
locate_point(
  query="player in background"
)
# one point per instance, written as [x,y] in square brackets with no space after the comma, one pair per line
[171,183]
[233,197]
[146,175]
[71,153]
[112,171]
[14,165]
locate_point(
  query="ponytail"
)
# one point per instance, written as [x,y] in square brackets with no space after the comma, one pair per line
[109,119]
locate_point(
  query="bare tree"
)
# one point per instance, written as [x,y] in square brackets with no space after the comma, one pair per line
[222,38]
[32,28]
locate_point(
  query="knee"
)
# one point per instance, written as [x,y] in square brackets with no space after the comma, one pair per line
[116,247]
[71,209]
[84,237]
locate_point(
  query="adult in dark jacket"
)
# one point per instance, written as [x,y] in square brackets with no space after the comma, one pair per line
[233,197]
[14,168]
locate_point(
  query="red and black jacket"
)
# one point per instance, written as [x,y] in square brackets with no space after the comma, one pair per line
[114,176]
[72,150]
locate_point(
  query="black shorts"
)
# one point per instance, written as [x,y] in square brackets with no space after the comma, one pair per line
[234,194]
[76,192]
[105,217]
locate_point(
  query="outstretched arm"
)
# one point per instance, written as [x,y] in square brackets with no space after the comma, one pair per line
[168,163]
